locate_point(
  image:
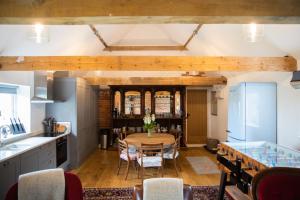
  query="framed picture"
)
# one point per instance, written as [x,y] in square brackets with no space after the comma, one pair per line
[214,103]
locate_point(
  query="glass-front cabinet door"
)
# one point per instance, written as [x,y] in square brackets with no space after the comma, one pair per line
[117,101]
[132,103]
[178,111]
[148,102]
[163,103]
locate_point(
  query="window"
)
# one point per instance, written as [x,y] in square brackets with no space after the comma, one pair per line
[8,104]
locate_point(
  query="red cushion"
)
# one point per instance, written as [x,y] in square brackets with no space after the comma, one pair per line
[73,189]
[279,187]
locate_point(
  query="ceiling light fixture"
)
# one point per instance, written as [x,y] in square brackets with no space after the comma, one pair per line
[39,34]
[254,32]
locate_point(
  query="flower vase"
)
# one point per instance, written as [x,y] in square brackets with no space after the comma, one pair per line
[149,133]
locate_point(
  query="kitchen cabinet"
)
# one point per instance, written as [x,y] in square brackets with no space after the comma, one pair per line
[47,156]
[80,108]
[40,158]
[29,161]
[9,174]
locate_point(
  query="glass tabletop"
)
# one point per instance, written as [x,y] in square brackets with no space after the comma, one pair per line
[269,154]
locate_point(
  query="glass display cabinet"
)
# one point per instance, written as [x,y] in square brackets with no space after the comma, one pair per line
[131,103]
[148,102]
[163,103]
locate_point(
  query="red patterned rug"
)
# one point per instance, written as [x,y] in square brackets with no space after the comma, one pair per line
[199,193]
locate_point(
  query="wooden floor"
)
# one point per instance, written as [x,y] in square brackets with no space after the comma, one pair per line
[100,170]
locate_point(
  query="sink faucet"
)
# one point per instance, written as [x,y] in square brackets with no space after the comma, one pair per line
[4,131]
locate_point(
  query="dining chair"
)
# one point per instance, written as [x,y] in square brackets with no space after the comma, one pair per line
[276,183]
[73,188]
[122,135]
[162,189]
[126,154]
[150,156]
[172,153]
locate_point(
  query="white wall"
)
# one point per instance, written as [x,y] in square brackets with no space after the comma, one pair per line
[36,111]
[288,107]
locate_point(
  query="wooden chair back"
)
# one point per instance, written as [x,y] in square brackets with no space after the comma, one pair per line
[176,146]
[122,135]
[177,143]
[123,147]
[151,150]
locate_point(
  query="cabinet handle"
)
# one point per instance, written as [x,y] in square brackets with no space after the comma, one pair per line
[5,164]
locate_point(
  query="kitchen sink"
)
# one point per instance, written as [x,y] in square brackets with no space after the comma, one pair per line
[14,147]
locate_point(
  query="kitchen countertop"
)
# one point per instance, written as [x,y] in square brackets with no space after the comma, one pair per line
[19,147]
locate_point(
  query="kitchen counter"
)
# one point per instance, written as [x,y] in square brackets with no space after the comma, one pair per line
[16,148]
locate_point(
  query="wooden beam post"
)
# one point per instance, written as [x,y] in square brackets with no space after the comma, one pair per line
[188,81]
[149,63]
[145,11]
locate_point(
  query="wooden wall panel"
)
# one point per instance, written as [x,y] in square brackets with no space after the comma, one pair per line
[104,108]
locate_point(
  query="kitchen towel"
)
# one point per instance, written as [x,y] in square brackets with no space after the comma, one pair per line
[42,185]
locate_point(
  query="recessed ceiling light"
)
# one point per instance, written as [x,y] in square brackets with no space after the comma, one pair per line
[39,33]
[253,32]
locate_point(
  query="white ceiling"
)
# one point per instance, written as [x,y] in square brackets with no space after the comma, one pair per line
[212,40]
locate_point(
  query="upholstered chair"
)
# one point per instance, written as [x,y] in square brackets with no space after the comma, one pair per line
[126,154]
[150,156]
[163,189]
[73,189]
[278,183]
[172,153]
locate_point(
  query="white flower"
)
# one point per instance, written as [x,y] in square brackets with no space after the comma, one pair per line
[153,117]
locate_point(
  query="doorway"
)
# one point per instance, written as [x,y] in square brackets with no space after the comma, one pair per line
[197,116]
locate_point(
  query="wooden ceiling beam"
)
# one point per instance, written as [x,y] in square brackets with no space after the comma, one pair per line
[188,81]
[145,48]
[145,11]
[148,63]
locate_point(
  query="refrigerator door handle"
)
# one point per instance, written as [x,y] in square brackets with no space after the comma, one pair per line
[237,139]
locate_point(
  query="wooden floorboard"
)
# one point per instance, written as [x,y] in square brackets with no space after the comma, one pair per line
[99,170]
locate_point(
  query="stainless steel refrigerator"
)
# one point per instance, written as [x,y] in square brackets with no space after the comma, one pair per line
[252,112]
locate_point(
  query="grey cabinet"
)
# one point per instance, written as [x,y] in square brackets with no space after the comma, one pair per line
[40,158]
[47,156]
[9,173]
[29,161]
[43,157]
[80,108]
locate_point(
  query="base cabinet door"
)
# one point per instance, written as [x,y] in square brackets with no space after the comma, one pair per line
[9,174]
[47,156]
[29,161]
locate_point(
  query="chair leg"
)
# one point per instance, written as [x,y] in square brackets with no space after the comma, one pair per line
[175,165]
[119,166]
[138,171]
[127,169]
[134,164]
[142,173]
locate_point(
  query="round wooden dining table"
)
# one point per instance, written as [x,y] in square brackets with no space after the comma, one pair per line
[137,139]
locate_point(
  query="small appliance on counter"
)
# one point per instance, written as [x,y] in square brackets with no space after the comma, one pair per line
[49,124]
[52,128]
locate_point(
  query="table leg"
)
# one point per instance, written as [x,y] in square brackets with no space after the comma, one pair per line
[223,182]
